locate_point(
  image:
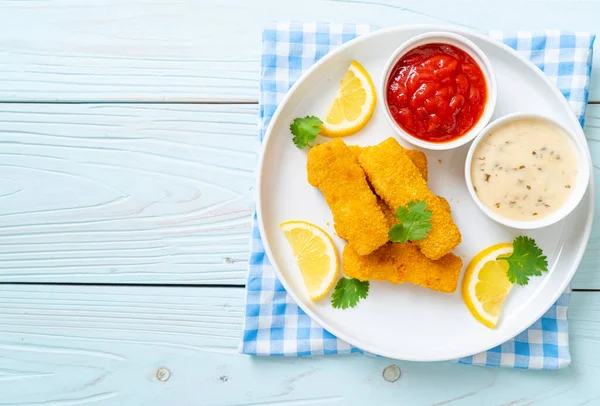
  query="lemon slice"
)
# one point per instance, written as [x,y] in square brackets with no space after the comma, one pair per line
[315,254]
[353,105]
[486,285]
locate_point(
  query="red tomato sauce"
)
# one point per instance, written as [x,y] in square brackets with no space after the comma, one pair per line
[436,92]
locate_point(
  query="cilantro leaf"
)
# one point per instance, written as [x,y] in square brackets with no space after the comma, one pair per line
[305,130]
[526,260]
[415,223]
[348,293]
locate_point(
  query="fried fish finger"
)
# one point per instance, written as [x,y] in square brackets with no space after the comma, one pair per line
[445,203]
[390,219]
[417,157]
[358,219]
[397,180]
[399,263]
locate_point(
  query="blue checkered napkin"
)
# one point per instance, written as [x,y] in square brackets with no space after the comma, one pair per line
[274,324]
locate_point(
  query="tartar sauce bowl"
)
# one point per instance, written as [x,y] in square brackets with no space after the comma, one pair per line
[576,188]
[476,54]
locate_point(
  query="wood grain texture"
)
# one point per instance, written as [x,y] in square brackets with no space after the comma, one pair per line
[128,50]
[126,193]
[105,345]
[110,193]
[587,276]
[144,193]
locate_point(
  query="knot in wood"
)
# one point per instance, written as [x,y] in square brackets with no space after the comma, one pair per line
[163,374]
[391,373]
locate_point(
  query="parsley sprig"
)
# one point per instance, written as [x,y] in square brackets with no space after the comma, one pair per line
[526,260]
[348,293]
[415,222]
[305,130]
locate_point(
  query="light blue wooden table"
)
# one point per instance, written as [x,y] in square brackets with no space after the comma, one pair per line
[128,142]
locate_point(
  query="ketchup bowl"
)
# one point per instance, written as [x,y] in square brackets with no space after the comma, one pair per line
[438,90]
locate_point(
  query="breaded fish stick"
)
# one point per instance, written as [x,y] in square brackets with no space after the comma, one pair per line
[398,181]
[358,219]
[399,263]
[417,157]
[445,203]
[390,219]
[420,160]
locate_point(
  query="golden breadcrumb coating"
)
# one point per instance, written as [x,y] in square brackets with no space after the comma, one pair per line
[390,219]
[445,203]
[399,263]
[358,219]
[397,181]
[417,157]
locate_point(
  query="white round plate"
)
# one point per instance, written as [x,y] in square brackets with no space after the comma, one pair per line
[405,321]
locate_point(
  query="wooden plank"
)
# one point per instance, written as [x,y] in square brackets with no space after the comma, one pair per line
[126,193]
[126,50]
[587,276]
[143,193]
[76,345]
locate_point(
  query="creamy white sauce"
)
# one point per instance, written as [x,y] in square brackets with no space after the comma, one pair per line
[524,170]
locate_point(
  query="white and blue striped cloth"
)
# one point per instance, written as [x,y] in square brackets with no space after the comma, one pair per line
[274,324]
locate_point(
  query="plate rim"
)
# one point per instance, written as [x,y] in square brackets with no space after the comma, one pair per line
[502,338]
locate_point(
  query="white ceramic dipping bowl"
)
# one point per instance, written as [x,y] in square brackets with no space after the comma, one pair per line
[577,192]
